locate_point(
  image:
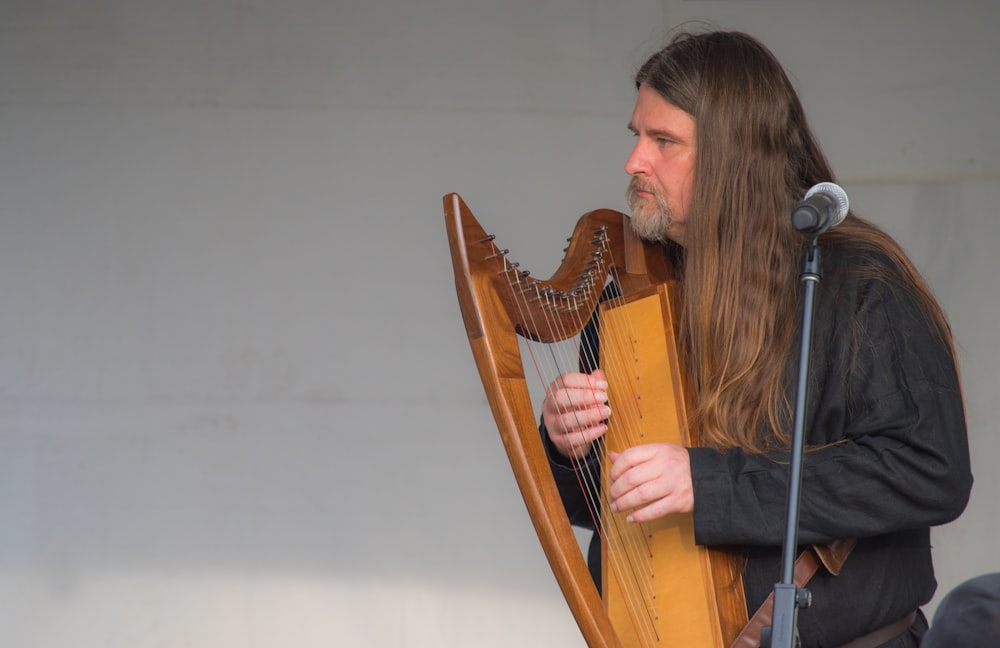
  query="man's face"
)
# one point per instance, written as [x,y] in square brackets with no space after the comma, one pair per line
[661,166]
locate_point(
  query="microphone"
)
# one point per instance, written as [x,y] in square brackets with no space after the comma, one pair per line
[824,206]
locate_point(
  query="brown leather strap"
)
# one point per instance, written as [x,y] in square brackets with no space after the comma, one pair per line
[883,634]
[834,555]
[831,556]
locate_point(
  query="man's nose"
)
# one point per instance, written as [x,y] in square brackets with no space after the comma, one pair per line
[636,162]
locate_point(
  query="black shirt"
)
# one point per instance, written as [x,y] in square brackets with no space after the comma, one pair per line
[888,459]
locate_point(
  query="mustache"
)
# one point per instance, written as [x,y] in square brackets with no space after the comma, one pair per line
[637,184]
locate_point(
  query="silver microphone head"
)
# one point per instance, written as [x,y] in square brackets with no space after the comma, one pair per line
[836,193]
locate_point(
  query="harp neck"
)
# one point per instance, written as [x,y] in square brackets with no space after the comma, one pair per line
[549,310]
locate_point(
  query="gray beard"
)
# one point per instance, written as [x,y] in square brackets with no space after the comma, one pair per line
[649,222]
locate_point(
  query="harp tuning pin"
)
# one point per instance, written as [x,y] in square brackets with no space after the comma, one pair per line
[509,267]
[550,294]
[499,253]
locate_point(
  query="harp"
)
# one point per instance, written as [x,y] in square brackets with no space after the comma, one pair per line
[659,589]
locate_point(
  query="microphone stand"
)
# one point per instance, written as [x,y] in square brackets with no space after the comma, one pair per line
[783,632]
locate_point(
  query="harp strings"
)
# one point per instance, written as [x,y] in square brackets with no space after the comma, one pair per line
[626,543]
[544,308]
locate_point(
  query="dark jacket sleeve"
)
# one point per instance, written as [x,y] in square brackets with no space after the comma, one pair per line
[885,428]
[571,478]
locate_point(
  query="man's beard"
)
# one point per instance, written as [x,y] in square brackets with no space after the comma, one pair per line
[650,222]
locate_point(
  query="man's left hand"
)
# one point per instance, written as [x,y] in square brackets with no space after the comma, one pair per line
[651,481]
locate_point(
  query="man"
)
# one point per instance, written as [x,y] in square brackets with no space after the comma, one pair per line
[722,154]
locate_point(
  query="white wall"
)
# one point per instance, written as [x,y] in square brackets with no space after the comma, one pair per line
[237,406]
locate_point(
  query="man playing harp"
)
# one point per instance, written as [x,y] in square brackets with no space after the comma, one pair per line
[722,154]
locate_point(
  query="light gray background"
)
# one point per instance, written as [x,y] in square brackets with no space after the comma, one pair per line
[237,405]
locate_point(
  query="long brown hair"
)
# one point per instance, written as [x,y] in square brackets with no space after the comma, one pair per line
[755,156]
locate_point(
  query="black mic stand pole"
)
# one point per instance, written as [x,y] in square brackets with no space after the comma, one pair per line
[783,632]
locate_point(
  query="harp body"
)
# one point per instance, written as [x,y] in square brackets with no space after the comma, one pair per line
[660,589]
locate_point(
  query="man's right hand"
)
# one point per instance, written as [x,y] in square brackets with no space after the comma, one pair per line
[574,412]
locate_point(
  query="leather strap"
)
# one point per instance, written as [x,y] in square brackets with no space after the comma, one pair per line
[883,634]
[831,556]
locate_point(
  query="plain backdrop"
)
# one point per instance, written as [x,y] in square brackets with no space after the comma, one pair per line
[237,405]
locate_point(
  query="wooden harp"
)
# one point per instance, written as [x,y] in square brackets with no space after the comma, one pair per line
[660,589]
